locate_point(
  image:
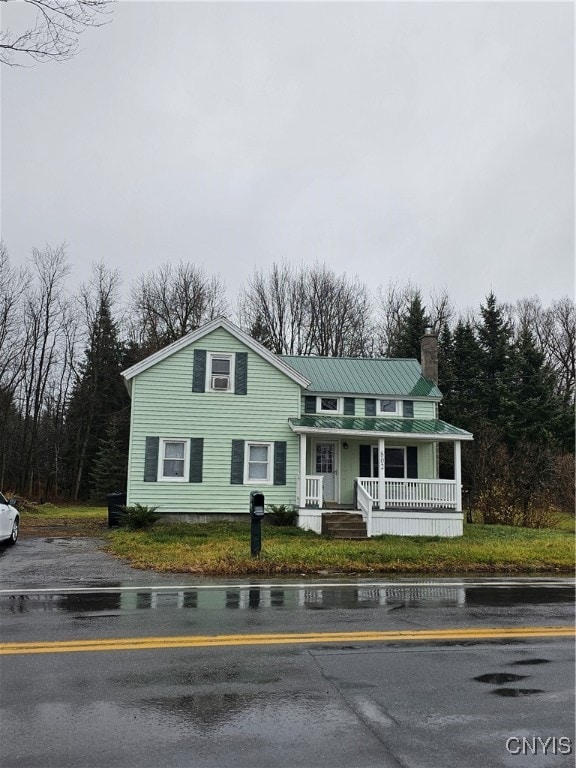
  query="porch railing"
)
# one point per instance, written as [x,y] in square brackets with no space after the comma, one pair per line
[411,493]
[314,495]
[365,505]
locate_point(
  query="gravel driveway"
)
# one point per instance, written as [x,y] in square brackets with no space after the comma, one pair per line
[37,562]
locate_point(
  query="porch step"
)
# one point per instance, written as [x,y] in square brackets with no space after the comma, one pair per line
[342,526]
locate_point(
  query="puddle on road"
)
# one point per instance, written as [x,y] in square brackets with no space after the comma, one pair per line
[529,662]
[515,692]
[312,597]
[518,595]
[499,677]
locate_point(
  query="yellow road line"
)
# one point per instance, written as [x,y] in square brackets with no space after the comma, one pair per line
[202,641]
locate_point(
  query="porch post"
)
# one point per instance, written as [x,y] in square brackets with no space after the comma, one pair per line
[381,473]
[458,474]
[302,503]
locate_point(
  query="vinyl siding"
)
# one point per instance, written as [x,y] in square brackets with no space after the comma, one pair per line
[164,405]
[422,409]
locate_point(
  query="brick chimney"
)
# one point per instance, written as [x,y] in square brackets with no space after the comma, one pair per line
[429,354]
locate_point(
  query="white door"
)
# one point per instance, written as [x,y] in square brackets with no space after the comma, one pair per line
[326,466]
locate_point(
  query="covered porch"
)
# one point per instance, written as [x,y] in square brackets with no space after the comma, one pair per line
[385,469]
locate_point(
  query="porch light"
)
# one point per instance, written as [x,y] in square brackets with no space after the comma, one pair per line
[345,445]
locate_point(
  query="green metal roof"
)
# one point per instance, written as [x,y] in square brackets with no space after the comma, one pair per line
[433,428]
[363,376]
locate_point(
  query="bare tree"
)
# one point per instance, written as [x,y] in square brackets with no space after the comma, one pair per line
[554,329]
[340,315]
[307,310]
[173,301]
[274,308]
[50,29]
[12,286]
[45,321]
[394,304]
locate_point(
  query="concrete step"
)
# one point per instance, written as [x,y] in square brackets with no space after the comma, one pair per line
[342,526]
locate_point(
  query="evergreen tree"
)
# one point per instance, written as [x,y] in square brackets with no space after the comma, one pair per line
[99,393]
[110,466]
[493,394]
[411,328]
[460,372]
[538,413]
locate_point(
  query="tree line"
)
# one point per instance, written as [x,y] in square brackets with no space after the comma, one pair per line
[507,372]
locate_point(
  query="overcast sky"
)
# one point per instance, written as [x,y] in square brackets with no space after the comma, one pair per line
[424,141]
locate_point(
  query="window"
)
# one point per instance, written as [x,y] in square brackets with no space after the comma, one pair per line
[173,460]
[395,459]
[220,372]
[258,463]
[408,409]
[328,405]
[395,462]
[386,407]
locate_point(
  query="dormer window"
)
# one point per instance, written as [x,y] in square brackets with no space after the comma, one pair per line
[220,372]
[331,405]
[387,407]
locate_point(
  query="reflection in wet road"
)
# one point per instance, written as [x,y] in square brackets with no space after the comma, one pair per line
[252,597]
[346,704]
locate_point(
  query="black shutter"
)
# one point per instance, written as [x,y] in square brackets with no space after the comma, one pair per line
[309,404]
[365,468]
[408,409]
[280,462]
[237,463]
[241,373]
[199,373]
[369,407]
[412,461]
[151,460]
[349,406]
[196,459]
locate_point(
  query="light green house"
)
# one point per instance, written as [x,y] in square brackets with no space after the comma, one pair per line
[216,415]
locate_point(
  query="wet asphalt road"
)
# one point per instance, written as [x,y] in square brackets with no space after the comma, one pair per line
[467,703]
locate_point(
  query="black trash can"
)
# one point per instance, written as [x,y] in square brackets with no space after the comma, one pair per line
[116,503]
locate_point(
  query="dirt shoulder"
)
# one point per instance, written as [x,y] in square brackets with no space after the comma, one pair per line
[49,562]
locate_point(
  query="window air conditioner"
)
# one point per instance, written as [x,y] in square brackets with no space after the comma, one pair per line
[221,383]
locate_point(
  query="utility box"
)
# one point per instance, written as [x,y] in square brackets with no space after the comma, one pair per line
[116,503]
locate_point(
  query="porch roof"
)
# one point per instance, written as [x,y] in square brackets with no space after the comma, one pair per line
[355,426]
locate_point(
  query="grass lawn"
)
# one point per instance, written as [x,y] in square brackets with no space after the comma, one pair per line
[63,521]
[224,548]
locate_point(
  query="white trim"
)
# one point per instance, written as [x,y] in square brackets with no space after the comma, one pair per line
[458,475]
[213,325]
[380,412]
[269,464]
[210,357]
[161,478]
[430,436]
[336,467]
[302,490]
[372,396]
[339,404]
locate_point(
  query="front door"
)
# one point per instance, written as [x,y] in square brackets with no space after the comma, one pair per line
[326,466]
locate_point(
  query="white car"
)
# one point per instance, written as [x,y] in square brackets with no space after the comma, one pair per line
[9,521]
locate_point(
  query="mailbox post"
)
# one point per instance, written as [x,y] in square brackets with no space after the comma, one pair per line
[256,515]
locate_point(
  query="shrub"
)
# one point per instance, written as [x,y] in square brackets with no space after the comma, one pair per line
[139,516]
[282,514]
